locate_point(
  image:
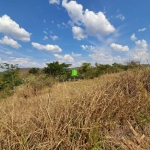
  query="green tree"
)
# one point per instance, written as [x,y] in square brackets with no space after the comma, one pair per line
[85,67]
[10,76]
[86,70]
[57,70]
[103,68]
[116,67]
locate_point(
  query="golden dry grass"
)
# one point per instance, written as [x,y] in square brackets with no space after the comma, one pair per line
[108,113]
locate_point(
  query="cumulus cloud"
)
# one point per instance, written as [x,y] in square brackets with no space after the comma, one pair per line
[65,58]
[75,55]
[54,1]
[8,41]
[121,17]
[10,27]
[23,62]
[78,33]
[140,52]
[119,48]
[54,37]
[133,37]
[105,59]
[141,44]
[141,30]
[86,47]
[95,23]
[48,47]
[26,62]
[78,63]
[75,11]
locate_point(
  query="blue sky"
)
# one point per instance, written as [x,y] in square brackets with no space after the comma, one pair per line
[36,32]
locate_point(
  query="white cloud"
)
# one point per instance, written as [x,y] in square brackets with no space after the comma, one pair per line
[48,47]
[141,30]
[141,44]
[95,23]
[54,1]
[75,55]
[74,10]
[10,27]
[78,63]
[105,59]
[121,17]
[22,62]
[86,47]
[78,33]
[45,38]
[65,58]
[140,52]
[54,37]
[133,37]
[118,47]
[8,41]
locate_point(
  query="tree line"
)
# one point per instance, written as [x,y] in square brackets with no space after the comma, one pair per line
[85,71]
[10,77]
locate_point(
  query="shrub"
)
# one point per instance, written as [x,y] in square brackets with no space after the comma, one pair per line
[34,70]
[9,78]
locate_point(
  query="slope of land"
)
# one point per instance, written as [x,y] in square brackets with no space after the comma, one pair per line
[110,112]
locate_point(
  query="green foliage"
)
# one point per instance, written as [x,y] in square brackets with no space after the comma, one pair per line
[85,67]
[9,78]
[34,70]
[57,70]
[87,71]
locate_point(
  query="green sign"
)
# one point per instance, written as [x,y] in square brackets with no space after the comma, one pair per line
[74,72]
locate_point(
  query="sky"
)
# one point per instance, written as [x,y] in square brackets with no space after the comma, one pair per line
[36,32]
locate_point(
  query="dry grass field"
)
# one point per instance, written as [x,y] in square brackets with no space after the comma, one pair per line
[111,112]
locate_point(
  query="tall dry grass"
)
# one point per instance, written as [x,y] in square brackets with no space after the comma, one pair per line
[108,113]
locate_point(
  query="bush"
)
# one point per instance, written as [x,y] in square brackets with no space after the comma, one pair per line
[34,70]
[9,78]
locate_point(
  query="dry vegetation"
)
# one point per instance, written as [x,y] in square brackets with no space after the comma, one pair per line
[107,113]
